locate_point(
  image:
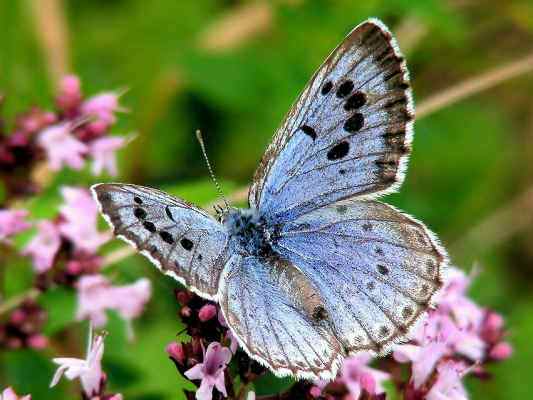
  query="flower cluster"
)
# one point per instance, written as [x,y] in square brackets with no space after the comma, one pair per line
[77,130]
[64,251]
[23,327]
[212,346]
[456,338]
[67,246]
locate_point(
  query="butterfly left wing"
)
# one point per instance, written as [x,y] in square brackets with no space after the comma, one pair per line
[277,316]
[182,240]
[347,135]
[376,269]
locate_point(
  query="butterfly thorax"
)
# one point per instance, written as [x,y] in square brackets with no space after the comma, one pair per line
[248,232]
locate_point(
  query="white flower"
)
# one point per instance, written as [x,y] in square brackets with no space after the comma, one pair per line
[89,371]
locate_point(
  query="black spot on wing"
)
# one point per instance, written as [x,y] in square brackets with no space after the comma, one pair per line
[319,313]
[139,213]
[186,244]
[382,269]
[355,101]
[137,200]
[167,237]
[308,131]
[326,88]
[345,89]
[149,226]
[169,214]
[338,151]
[354,123]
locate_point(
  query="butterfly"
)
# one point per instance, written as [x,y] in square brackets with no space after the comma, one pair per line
[316,269]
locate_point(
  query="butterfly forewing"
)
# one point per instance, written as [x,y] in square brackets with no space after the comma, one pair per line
[180,239]
[279,318]
[376,269]
[348,134]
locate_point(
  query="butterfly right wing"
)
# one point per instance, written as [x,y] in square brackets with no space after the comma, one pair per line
[182,240]
[348,134]
[277,316]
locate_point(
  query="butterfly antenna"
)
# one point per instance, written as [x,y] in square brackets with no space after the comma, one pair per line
[213,177]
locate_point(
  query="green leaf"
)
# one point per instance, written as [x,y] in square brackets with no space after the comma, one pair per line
[60,302]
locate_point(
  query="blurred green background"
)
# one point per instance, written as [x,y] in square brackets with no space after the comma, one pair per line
[232,69]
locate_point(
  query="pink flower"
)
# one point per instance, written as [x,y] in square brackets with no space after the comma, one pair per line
[448,385]
[9,394]
[207,312]
[102,106]
[44,246]
[89,370]
[501,351]
[69,94]
[103,153]
[81,216]
[315,391]
[61,147]
[96,295]
[12,222]
[38,341]
[357,376]
[175,351]
[211,371]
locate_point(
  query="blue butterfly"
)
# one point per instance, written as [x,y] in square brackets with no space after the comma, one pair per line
[316,269]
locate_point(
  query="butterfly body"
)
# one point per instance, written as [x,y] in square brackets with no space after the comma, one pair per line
[316,269]
[249,232]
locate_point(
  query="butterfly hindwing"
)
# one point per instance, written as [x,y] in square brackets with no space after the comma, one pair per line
[180,239]
[348,134]
[278,318]
[376,269]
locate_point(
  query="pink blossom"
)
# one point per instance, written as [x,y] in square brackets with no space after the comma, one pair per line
[12,222]
[103,153]
[102,106]
[62,147]
[9,394]
[448,385]
[89,370]
[501,351]
[80,214]
[96,295]
[207,312]
[357,376]
[44,246]
[211,371]
[38,341]
[315,391]
[69,93]
[175,351]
